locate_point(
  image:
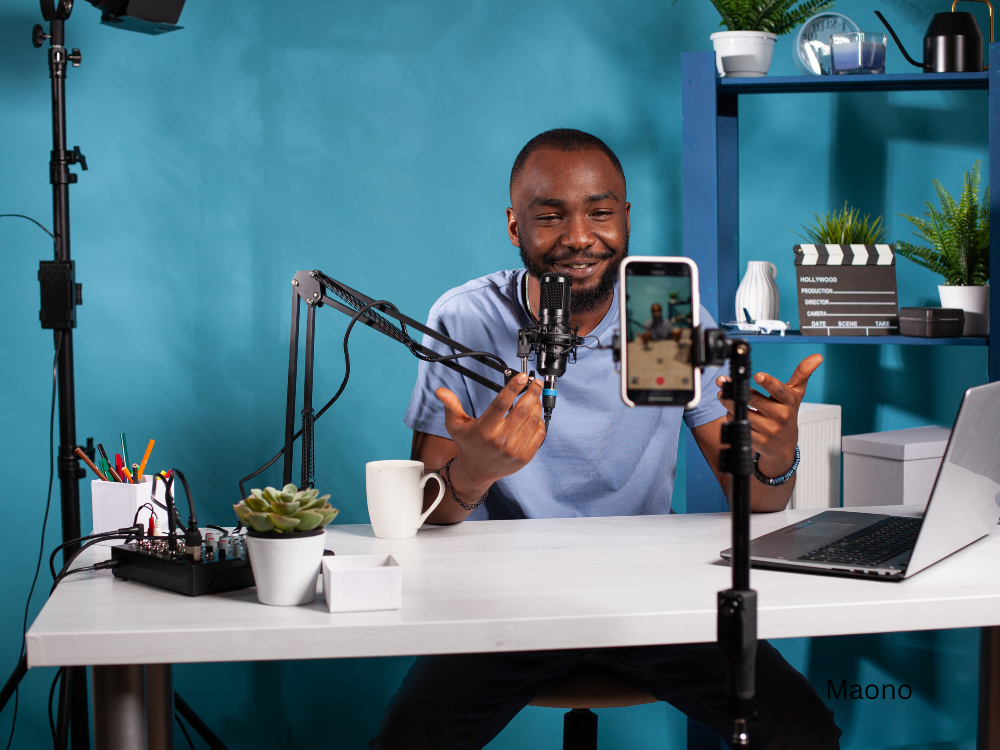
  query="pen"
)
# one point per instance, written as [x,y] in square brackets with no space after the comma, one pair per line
[118,466]
[113,477]
[104,455]
[145,458]
[125,450]
[86,460]
[125,473]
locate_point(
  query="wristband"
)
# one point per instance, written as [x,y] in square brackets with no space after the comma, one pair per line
[776,480]
[446,473]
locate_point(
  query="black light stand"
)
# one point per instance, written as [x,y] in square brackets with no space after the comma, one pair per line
[60,295]
[737,607]
[311,287]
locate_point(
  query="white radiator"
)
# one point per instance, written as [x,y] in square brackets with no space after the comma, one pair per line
[817,482]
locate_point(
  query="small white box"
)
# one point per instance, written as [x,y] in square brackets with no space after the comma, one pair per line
[892,468]
[362,583]
[114,505]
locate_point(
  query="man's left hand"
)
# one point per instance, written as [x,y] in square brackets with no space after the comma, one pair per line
[774,418]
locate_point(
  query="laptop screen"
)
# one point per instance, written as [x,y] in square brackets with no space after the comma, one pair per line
[965,503]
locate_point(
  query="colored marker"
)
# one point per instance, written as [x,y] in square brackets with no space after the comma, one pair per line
[86,460]
[145,458]
[125,450]
[126,474]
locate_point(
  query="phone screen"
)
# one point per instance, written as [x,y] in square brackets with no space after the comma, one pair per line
[658,319]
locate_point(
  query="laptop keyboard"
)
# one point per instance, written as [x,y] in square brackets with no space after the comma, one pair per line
[871,546]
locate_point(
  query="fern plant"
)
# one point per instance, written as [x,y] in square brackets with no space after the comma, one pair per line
[775,16]
[959,234]
[845,226]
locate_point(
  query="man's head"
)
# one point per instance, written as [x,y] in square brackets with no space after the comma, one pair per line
[656,311]
[569,214]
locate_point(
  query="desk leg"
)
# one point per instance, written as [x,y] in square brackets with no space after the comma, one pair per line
[160,706]
[989,689]
[119,707]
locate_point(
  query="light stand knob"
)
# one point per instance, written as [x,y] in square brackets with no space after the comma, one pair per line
[75,58]
[38,36]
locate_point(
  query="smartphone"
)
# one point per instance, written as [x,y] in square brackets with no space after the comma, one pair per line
[659,312]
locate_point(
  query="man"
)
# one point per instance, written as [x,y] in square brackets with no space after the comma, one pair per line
[657,328]
[569,214]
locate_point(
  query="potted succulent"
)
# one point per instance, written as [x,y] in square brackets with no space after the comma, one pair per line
[753,26]
[959,235]
[285,541]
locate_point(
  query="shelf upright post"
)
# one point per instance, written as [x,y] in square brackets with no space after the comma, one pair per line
[711,223]
[988,731]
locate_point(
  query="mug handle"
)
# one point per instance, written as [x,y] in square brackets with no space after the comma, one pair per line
[774,270]
[423,481]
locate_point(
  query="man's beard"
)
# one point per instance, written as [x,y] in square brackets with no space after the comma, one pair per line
[592,298]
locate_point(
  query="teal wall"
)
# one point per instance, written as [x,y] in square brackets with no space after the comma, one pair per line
[374,141]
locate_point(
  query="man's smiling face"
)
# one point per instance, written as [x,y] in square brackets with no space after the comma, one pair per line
[569,215]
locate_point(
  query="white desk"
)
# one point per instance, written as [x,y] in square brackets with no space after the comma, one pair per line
[515,585]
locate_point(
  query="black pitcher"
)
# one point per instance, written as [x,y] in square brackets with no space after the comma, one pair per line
[953,42]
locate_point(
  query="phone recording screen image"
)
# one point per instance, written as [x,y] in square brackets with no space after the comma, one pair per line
[658,321]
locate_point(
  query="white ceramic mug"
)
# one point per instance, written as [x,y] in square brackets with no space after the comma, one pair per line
[396,496]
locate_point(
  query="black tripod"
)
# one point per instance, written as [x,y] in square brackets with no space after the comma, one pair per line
[737,614]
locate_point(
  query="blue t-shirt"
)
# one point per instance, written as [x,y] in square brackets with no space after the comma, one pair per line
[600,458]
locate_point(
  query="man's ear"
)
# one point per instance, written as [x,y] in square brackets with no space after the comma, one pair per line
[512,230]
[628,219]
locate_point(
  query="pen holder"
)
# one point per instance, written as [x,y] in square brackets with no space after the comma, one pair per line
[114,505]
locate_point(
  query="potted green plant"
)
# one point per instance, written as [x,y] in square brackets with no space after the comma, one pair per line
[959,238]
[286,537]
[846,276]
[753,26]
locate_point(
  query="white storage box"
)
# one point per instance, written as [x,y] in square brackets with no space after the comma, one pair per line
[892,468]
[817,480]
[362,583]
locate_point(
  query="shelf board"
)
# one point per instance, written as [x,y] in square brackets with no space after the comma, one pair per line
[890,82]
[796,337]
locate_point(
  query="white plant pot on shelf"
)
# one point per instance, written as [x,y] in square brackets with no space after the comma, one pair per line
[975,301]
[743,54]
[758,294]
[285,567]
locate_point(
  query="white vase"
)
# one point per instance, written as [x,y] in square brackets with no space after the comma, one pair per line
[285,568]
[757,293]
[743,54]
[975,301]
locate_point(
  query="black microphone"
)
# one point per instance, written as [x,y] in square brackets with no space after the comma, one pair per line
[556,338]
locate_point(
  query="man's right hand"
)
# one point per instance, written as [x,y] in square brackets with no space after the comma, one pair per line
[499,443]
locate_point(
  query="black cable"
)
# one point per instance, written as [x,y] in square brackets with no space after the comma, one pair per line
[52,691]
[135,518]
[224,532]
[386,328]
[103,565]
[99,566]
[192,517]
[45,519]
[126,532]
[22,216]
[186,735]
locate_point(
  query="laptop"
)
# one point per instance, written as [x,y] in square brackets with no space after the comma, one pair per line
[964,506]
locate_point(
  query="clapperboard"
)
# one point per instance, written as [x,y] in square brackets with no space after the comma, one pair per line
[847,290]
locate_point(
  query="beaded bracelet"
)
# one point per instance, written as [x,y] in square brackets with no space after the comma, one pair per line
[776,480]
[446,473]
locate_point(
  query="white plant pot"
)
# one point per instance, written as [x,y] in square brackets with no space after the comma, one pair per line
[743,54]
[975,301]
[285,568]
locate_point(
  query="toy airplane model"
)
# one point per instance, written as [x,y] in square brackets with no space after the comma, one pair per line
[758,326]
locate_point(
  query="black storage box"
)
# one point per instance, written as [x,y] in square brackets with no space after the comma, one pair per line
[931,322]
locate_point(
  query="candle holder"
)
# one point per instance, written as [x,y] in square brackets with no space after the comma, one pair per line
[857,52]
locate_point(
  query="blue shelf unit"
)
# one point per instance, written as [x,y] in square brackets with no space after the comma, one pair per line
[710,107]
